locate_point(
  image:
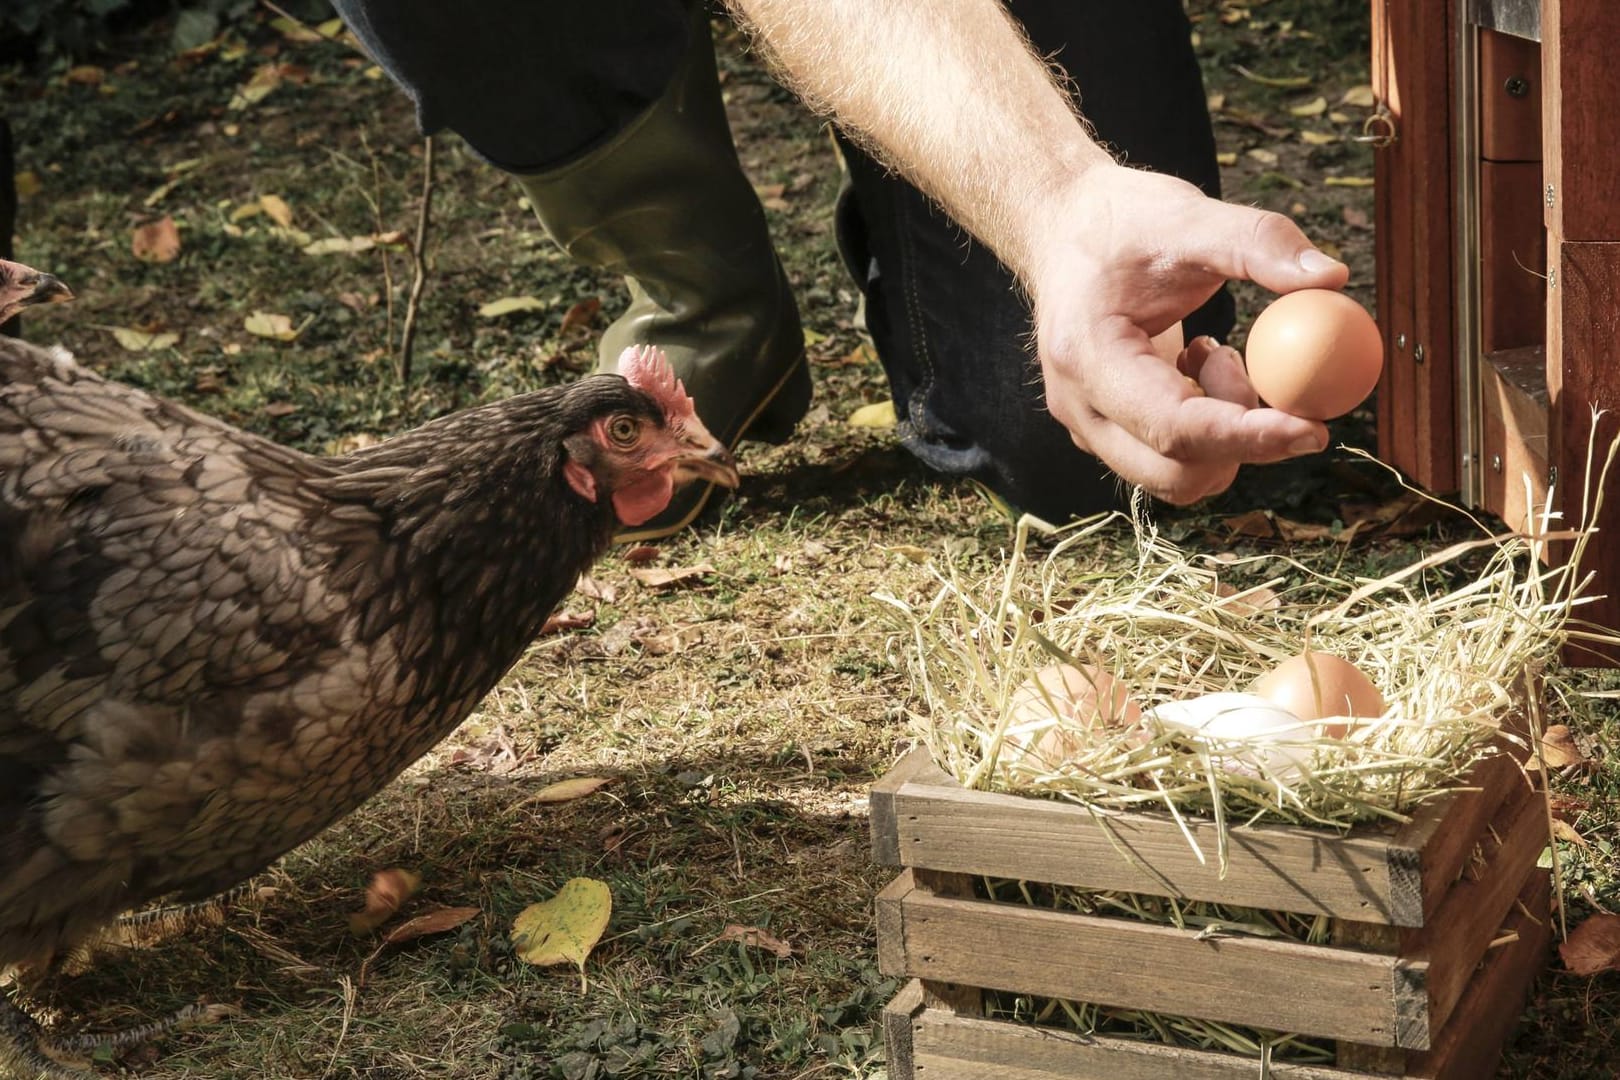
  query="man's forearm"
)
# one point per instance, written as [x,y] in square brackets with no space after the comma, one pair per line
[947,92]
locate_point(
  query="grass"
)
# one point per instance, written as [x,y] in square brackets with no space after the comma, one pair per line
[741,718]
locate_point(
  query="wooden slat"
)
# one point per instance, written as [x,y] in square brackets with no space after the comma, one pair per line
[1470,1046]
[1512,256]
[1411,75]
[1509,123]
[1273,984]
[891,934]
[1515,436]
[1377,938]
[946,1047]
[915,765]
[898,1018]
[1446,833]
[1582,84]
[1364,877]
[964,999]
[1477,905]
[1583,360]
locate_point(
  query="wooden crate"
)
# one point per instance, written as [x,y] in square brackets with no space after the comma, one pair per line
[1440,926]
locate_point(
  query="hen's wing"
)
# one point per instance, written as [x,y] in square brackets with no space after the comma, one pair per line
[154,582]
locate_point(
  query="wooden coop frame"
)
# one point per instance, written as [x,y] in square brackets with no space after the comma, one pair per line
[1498,255]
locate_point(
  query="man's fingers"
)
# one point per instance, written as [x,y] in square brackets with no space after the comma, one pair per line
[1219,371]
[1268,249]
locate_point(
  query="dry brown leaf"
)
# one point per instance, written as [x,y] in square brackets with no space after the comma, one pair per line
[1248,601]
[1300,531]
[156,241]
[754,936]
[668,577]
[1594,946]
[430,922]
[1256,523]
[563,621]
[85,75]
[387,891]
[1566,807]
[580,316]
[280,408]
[613,837]
[640,554]
[1563,830]
[591,589]
[1558,749]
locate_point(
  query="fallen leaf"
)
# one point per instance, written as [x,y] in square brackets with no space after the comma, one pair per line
[85,75]
[1215,102]
[387,891]
[1359,96]
[1355,217]
[579,316]
[295,32]
[277,327]
[1318,138]
[1301,531]
[27,184]
[1314,107]
[339,245]
[1226,157]
[1565,807]
[1248,601]
[567,790]
[565,928]
[563,621]
[592,589]
[156,241]
[879,414]
[1262,155]
[1594,946]
[429,922]
[1558,749]
[1563,830]
[812,337]
[1348,181]
[264,81]
[508,305]
[918,555]
[641,553]
[142,340]
[667,577]
[1256,523]
[277,209]
[754,936]
[280,408]
[1281,82]
[613,837]
[358,302]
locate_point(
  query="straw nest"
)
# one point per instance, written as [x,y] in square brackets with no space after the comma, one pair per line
[1452,642]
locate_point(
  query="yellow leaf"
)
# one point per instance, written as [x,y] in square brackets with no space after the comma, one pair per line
[1226,157]
[331,28]
[811,337]
[879,414]
[257,88]
[1263,156]
[340,245]
[277,208]
[1318,138]
[567,790]
[565,928]
[1338,117]
[294,31]
[1348,181]
[1216,102]
[27,183]
[245,211]
[268,325]
[384,895]
[913,552]
[141,341]
[156,241]
[507,305]
[1359,96]
[1315,107]
[1282,82]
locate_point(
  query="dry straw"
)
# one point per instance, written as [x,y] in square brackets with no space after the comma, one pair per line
[1450,640]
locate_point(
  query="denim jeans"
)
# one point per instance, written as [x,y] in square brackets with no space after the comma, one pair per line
[531,85]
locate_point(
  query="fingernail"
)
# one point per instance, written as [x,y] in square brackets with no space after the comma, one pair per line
[1314,262]
[1310,444]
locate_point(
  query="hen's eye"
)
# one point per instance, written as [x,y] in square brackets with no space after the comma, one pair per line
[622,430]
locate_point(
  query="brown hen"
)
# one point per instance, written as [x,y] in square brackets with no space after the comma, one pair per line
[212,647]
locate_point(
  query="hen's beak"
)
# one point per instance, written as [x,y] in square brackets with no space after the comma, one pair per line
[46,289]
[703,457]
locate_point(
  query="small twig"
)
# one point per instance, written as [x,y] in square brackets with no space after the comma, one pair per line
[382,250]
[407,338]
[338,37]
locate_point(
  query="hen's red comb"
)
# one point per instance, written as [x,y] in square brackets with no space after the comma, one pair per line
[645,368]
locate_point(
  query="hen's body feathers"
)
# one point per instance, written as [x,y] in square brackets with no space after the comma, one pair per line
[212,646]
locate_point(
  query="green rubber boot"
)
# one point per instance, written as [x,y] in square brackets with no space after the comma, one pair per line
[666,204]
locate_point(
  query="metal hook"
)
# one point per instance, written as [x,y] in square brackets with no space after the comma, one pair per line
[1370,129]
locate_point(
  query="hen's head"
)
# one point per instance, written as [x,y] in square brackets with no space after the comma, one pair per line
[23,286]
[639,449]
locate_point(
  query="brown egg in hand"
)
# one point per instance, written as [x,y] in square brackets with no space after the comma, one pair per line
[1314,353]
[1321,686]
[1085,697]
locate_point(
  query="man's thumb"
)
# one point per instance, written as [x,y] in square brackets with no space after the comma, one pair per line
[1278,256]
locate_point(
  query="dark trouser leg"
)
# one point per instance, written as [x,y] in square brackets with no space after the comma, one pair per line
[949,323]
[613,124]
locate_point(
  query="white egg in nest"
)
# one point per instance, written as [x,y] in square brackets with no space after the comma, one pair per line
[1246,733]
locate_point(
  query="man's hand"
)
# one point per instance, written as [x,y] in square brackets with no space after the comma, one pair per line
[1125,255]
[949,93]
